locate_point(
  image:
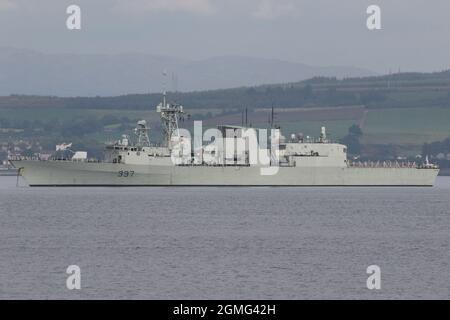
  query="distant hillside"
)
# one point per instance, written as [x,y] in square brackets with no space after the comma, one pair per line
[404,90]
[34,73]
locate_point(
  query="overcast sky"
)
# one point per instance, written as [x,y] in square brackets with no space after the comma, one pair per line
[414,35]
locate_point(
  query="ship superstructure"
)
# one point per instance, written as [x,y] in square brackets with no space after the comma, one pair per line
[225,160]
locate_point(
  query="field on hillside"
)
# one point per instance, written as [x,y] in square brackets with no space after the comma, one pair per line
[406,125]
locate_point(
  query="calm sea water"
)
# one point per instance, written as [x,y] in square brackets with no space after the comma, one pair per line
[224,243]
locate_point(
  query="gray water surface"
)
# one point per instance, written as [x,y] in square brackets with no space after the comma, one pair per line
[224,243]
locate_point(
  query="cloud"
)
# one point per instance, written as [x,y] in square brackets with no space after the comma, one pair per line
[271,9]
[6,5]
[201,7]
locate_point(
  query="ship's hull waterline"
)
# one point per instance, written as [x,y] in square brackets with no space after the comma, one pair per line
[68,173]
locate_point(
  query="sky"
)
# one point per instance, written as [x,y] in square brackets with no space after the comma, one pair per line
[414,34]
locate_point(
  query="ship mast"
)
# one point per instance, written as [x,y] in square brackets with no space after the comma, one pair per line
[169,113]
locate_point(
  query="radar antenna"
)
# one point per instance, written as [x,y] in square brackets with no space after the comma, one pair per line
[142,132]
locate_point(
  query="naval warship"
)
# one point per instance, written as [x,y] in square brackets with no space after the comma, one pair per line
[297,161]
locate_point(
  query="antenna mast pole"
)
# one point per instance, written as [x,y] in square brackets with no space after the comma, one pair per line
[271,118]
[164,87]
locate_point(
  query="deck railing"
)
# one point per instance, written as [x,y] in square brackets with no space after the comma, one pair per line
[383,164]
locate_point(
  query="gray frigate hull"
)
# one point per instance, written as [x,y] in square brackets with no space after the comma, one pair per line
[68,173]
